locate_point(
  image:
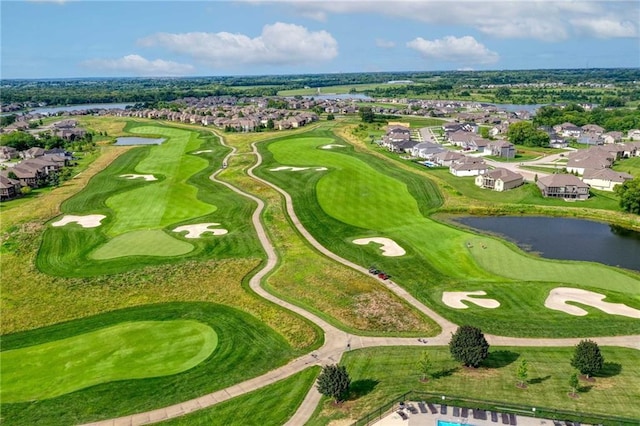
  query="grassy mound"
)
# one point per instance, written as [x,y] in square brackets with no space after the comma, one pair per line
[141,243]
[246,348]
[131,350]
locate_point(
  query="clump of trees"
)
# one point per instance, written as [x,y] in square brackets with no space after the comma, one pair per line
[525,133]
[334,382]
[587,358]
[629,193]
[469,346]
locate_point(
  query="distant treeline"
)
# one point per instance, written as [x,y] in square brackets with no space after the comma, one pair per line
[107,90]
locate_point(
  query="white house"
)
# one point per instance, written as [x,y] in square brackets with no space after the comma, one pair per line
[605,179]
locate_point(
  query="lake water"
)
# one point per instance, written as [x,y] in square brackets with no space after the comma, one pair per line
[133,140]
[564,238]
[82,107]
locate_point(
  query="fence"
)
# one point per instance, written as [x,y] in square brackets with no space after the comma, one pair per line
[497,406]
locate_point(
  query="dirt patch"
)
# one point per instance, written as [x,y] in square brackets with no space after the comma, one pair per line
[389,247]
[383,312]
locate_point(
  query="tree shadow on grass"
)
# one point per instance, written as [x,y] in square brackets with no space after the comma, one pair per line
[360,388]
[538,380]
[610,369]
[584,389]
[444,373]
[499,359]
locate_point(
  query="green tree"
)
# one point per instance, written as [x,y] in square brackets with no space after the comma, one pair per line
[587,357]
[18,140]
[424,366]
[573,383]
[270,124]
[330,117]
[503,93]
[469,346]
[525,133]
[522,373]
[334,382]
[367,115]
[629,193]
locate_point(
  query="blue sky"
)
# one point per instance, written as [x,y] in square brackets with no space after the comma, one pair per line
[84,38]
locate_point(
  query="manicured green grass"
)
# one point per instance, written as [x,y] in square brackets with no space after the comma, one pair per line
[129,350]
[381,374]
[246,348]
[183,194]
[343,89]
[628,165]
[362,196]
[141,243]
[271,405]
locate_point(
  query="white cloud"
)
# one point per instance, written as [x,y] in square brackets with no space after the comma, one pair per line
[279,44]
[385,44]
[605,27]
[138,65]
[548,20]
[464,50]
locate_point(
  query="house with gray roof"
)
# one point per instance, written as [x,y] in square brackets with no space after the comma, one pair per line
[499,180]
[605,179]
[468,166]
[568,187]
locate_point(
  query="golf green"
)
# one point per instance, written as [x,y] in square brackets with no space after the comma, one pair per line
[129,350]
[142,243]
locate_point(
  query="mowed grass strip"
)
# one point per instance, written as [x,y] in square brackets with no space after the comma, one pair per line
[615,390]
[271,405]
[141,243]
[130,350]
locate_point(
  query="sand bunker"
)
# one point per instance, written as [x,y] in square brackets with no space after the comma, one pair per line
[203,151]
[195,231]
[332,145]
[297,169]
[145,177]
[558,298]
[455,299]
[89,221]
[389,247]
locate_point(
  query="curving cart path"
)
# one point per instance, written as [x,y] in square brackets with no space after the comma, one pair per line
[336,341]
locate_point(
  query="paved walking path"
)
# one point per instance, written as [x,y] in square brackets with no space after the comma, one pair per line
[336,342]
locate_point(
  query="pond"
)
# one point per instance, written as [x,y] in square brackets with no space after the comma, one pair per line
[134,140]
[564,238]
[80,107]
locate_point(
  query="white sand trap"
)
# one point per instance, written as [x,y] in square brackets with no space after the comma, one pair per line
[297,169]
[88,221]
[389,247]
[203,151]
[332,145]
[558,298]
[455,299]
[195,231]
[145,177]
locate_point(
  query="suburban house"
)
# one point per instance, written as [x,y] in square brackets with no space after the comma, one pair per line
[502,149]
[590,139]
[446,158]
[612,137]
[605,179]
[634,134]
[631,149]
[29,175]
[9,188]
[425,150]
[34,152]
[499,180]
[593,128]
[593,158]
[468,166]
[568,130]
[8,153]
[568,187]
